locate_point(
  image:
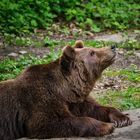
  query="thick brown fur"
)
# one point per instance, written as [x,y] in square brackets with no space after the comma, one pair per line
[52,100]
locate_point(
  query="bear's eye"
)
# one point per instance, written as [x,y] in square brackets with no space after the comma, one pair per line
[92,53]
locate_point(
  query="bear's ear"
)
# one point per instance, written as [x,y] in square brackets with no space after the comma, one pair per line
[79,44]
[67,59]
[68,51]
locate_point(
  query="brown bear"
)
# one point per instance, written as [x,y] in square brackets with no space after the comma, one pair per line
[52,100]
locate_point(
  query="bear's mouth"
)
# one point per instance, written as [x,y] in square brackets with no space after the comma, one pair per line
[108,62]
[113,58]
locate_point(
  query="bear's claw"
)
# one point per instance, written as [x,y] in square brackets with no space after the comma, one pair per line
[119,119]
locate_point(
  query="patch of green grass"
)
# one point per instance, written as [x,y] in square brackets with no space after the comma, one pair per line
[96,44]
[50,42]
[11,39]
[131,74]
[130,44]
[124,100]
[10,68]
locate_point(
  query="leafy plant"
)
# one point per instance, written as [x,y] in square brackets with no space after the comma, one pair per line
[26,15]
[124,100]
[50,42]
[10,68]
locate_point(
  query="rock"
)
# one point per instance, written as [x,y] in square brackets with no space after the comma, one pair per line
[80,31]
[137,54]
[74,31]
[89,34]
[121,52]
[126,133]
[72,25]
[118,37]
[22,52]
[13,54]
[1,44]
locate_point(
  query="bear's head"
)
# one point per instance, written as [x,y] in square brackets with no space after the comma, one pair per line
[85,60]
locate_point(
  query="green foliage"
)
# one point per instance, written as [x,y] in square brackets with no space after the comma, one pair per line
[10,68]
[127,98]
[124,100]
[11,39]
[131,44]
[131,74]
[27,15]
[50,42]
[24,15]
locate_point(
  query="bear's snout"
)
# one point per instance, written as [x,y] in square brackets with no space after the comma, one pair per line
[113,48]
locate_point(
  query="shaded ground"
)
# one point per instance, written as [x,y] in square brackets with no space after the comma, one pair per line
[11,49]
[126,133]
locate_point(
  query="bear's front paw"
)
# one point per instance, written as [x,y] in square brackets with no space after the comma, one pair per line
[106,128]
[119,119]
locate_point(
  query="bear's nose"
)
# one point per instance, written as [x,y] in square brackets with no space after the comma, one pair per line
[113,48]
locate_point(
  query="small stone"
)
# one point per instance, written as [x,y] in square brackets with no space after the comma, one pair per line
[75,30]
[13,54]
[138,55]
[72,25]
[121,52]
[80,32]
[22,52]
[1,44]
[116,87]
[90,34]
